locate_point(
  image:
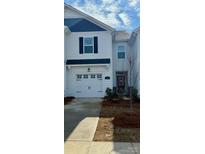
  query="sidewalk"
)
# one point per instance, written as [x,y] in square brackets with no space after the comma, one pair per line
[83,147]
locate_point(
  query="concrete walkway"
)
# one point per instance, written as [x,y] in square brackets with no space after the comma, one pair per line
[81,118]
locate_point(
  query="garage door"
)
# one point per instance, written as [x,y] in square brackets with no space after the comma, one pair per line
[89,85]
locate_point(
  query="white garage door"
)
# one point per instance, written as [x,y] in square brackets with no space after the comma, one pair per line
[89,85]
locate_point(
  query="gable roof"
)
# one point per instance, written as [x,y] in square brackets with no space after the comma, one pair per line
[81,25]
[89,18]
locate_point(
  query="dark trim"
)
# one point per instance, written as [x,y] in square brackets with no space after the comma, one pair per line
[81,45]
[88,61]
[95,44]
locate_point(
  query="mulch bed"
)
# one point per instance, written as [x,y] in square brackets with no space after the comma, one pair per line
[68,100]
[118,123]
[127,120]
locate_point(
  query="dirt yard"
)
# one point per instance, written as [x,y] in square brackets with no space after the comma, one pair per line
[118,123]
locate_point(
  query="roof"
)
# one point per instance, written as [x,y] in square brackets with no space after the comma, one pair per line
[103,25]
[122,36]
[81,25]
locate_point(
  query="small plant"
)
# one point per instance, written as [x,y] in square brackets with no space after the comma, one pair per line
[110,94]
[135,95]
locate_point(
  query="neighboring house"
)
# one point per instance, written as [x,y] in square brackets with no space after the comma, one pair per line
[95,56]
[121,54]
[134,43]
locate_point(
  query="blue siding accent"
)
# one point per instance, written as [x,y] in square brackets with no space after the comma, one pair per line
[88,61]
[81,25]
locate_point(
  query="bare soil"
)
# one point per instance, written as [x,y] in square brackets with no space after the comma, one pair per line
[118,123]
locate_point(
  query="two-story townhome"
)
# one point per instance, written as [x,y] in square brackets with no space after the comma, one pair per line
[96,56]
[88,55]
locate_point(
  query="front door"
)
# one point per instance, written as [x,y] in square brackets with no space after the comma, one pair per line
[121,83]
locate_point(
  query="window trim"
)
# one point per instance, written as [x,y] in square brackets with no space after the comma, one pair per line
[121,52]
[88,45]
[85,75]
[79,77]
[99,76]
[92,76]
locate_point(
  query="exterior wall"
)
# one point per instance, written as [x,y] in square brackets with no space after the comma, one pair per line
[135,49]
[120,64]
[65,64]
[138,62]
[71,78]
[72,52]
[66,43]
[104,45]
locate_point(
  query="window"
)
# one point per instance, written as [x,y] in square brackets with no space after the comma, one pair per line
[121,52]
[121,55]
[79,76]
[88,45]
[85,76]
[99,76]
[92,76]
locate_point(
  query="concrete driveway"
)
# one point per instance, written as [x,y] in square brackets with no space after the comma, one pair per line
[81,118]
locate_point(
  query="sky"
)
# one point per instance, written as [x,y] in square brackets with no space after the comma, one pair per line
[119,14]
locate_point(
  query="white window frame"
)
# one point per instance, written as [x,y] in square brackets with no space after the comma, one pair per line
[77,77]
[85,75]
[94,76]
[88,45]
[121,51]
[99,78]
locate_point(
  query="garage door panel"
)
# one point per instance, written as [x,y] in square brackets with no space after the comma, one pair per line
[89,85]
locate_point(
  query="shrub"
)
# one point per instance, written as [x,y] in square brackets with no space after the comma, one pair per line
[135,95]
[110,94]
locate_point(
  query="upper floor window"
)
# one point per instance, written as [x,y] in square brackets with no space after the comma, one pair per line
[88,45]
[121,52]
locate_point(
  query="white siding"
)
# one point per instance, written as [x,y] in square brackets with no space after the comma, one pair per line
[120,64]
[135,49]
[70,14]
[104,45]
[71,78]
